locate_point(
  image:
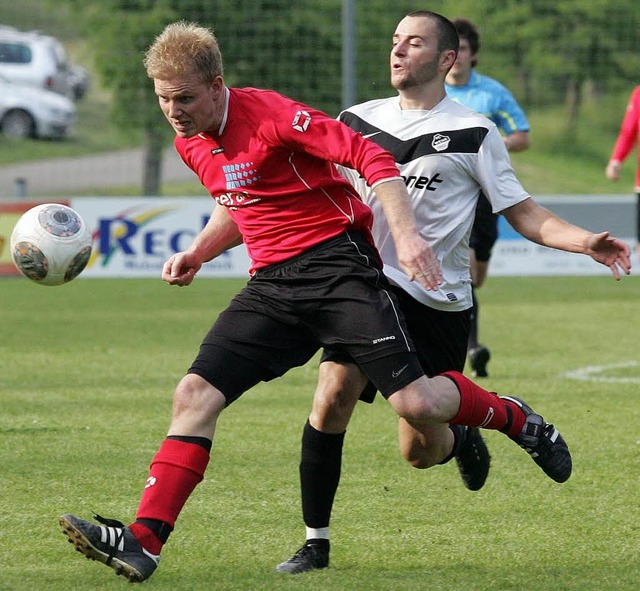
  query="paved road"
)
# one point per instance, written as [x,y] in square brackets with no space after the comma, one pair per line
[112,169]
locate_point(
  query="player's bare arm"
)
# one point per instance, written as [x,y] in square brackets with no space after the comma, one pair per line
[219,234]
[414,254]
[543,227]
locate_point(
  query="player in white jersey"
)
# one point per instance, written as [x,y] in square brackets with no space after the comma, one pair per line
[447,154]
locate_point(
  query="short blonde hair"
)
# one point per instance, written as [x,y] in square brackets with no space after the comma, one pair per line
[182,49]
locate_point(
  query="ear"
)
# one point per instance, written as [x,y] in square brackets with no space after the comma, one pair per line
[447,59]
[217,85]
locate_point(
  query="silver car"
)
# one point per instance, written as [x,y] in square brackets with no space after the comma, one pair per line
[27,111]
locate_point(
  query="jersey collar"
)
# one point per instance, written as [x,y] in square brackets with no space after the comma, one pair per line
[225,116]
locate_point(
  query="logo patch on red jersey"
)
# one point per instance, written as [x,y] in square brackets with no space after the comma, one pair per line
[236,200]
[240,175]
[301,121]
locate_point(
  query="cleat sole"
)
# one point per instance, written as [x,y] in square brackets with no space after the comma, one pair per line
[82,545]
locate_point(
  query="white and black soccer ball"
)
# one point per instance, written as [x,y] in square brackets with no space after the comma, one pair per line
[51,244]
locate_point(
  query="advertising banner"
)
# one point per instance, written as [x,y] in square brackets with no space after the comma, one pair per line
[133,237]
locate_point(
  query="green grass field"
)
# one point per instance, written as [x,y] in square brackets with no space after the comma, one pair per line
[86,378]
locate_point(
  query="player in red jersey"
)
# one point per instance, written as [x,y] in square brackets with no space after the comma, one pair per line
[628,138]
[316,280]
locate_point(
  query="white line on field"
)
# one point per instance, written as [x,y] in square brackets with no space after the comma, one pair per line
[590,373]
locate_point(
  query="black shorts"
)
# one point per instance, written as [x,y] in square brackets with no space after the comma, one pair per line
[484,232]
[334,295]
[440,338]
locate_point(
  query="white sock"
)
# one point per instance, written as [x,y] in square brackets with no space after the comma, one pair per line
[320,533]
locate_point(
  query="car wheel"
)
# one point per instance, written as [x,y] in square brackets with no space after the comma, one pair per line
[17,124]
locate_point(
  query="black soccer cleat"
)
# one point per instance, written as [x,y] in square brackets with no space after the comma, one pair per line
[310,557]
[112,544]
[543,442]
[478,358]
[472,457]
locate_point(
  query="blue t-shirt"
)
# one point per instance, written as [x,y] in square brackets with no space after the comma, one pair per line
[491,99]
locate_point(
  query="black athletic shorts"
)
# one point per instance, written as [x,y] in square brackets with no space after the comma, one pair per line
[484,232]
[440,338]
[334,295]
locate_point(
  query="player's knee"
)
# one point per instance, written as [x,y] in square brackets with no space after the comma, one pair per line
[332,409]
[194,395]
[427,401]
[414,407]
[336,396]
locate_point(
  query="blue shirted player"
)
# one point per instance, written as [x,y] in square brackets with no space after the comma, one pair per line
[493,100]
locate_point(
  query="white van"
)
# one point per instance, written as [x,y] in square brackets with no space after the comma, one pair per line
[35,59]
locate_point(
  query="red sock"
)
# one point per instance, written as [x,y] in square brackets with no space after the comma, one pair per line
[146,538]
[175,471]
[481,408]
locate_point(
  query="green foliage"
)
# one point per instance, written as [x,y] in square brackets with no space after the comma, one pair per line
[572,66]
[543,50]
[87,373]
[134,104]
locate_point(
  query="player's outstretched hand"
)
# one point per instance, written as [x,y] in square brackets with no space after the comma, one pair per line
[612,252]
[419,262]
[180,269]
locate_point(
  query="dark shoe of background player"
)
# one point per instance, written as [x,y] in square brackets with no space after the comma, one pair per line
[478,358]
[312,556]
[543,443]
[112,544]
[472,457]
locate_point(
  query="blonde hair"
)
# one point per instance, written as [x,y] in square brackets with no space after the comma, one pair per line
[183,49]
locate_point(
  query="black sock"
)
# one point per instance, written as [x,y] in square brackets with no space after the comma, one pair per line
[201,441]
[160,528]
[319,543]
[320,465]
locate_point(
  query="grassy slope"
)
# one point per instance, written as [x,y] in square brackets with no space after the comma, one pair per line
[85,391]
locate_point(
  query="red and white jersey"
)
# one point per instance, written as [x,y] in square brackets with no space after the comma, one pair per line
[446,155]
[271,165]
[629,135]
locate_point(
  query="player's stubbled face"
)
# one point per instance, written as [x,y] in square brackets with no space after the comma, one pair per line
[190,105]
[414,53]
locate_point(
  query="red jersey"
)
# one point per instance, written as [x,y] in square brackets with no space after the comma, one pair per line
[272,165]
[630,133]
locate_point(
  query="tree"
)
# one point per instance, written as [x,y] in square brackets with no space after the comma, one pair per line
[547,52]
[121,31]
[552,51]
[264,44]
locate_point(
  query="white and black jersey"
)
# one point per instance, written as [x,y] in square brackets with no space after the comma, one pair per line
[446,155]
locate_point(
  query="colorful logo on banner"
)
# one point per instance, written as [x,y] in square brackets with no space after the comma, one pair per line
[138,239]
[125,233]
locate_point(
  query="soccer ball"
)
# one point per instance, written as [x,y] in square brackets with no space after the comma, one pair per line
[51,244]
